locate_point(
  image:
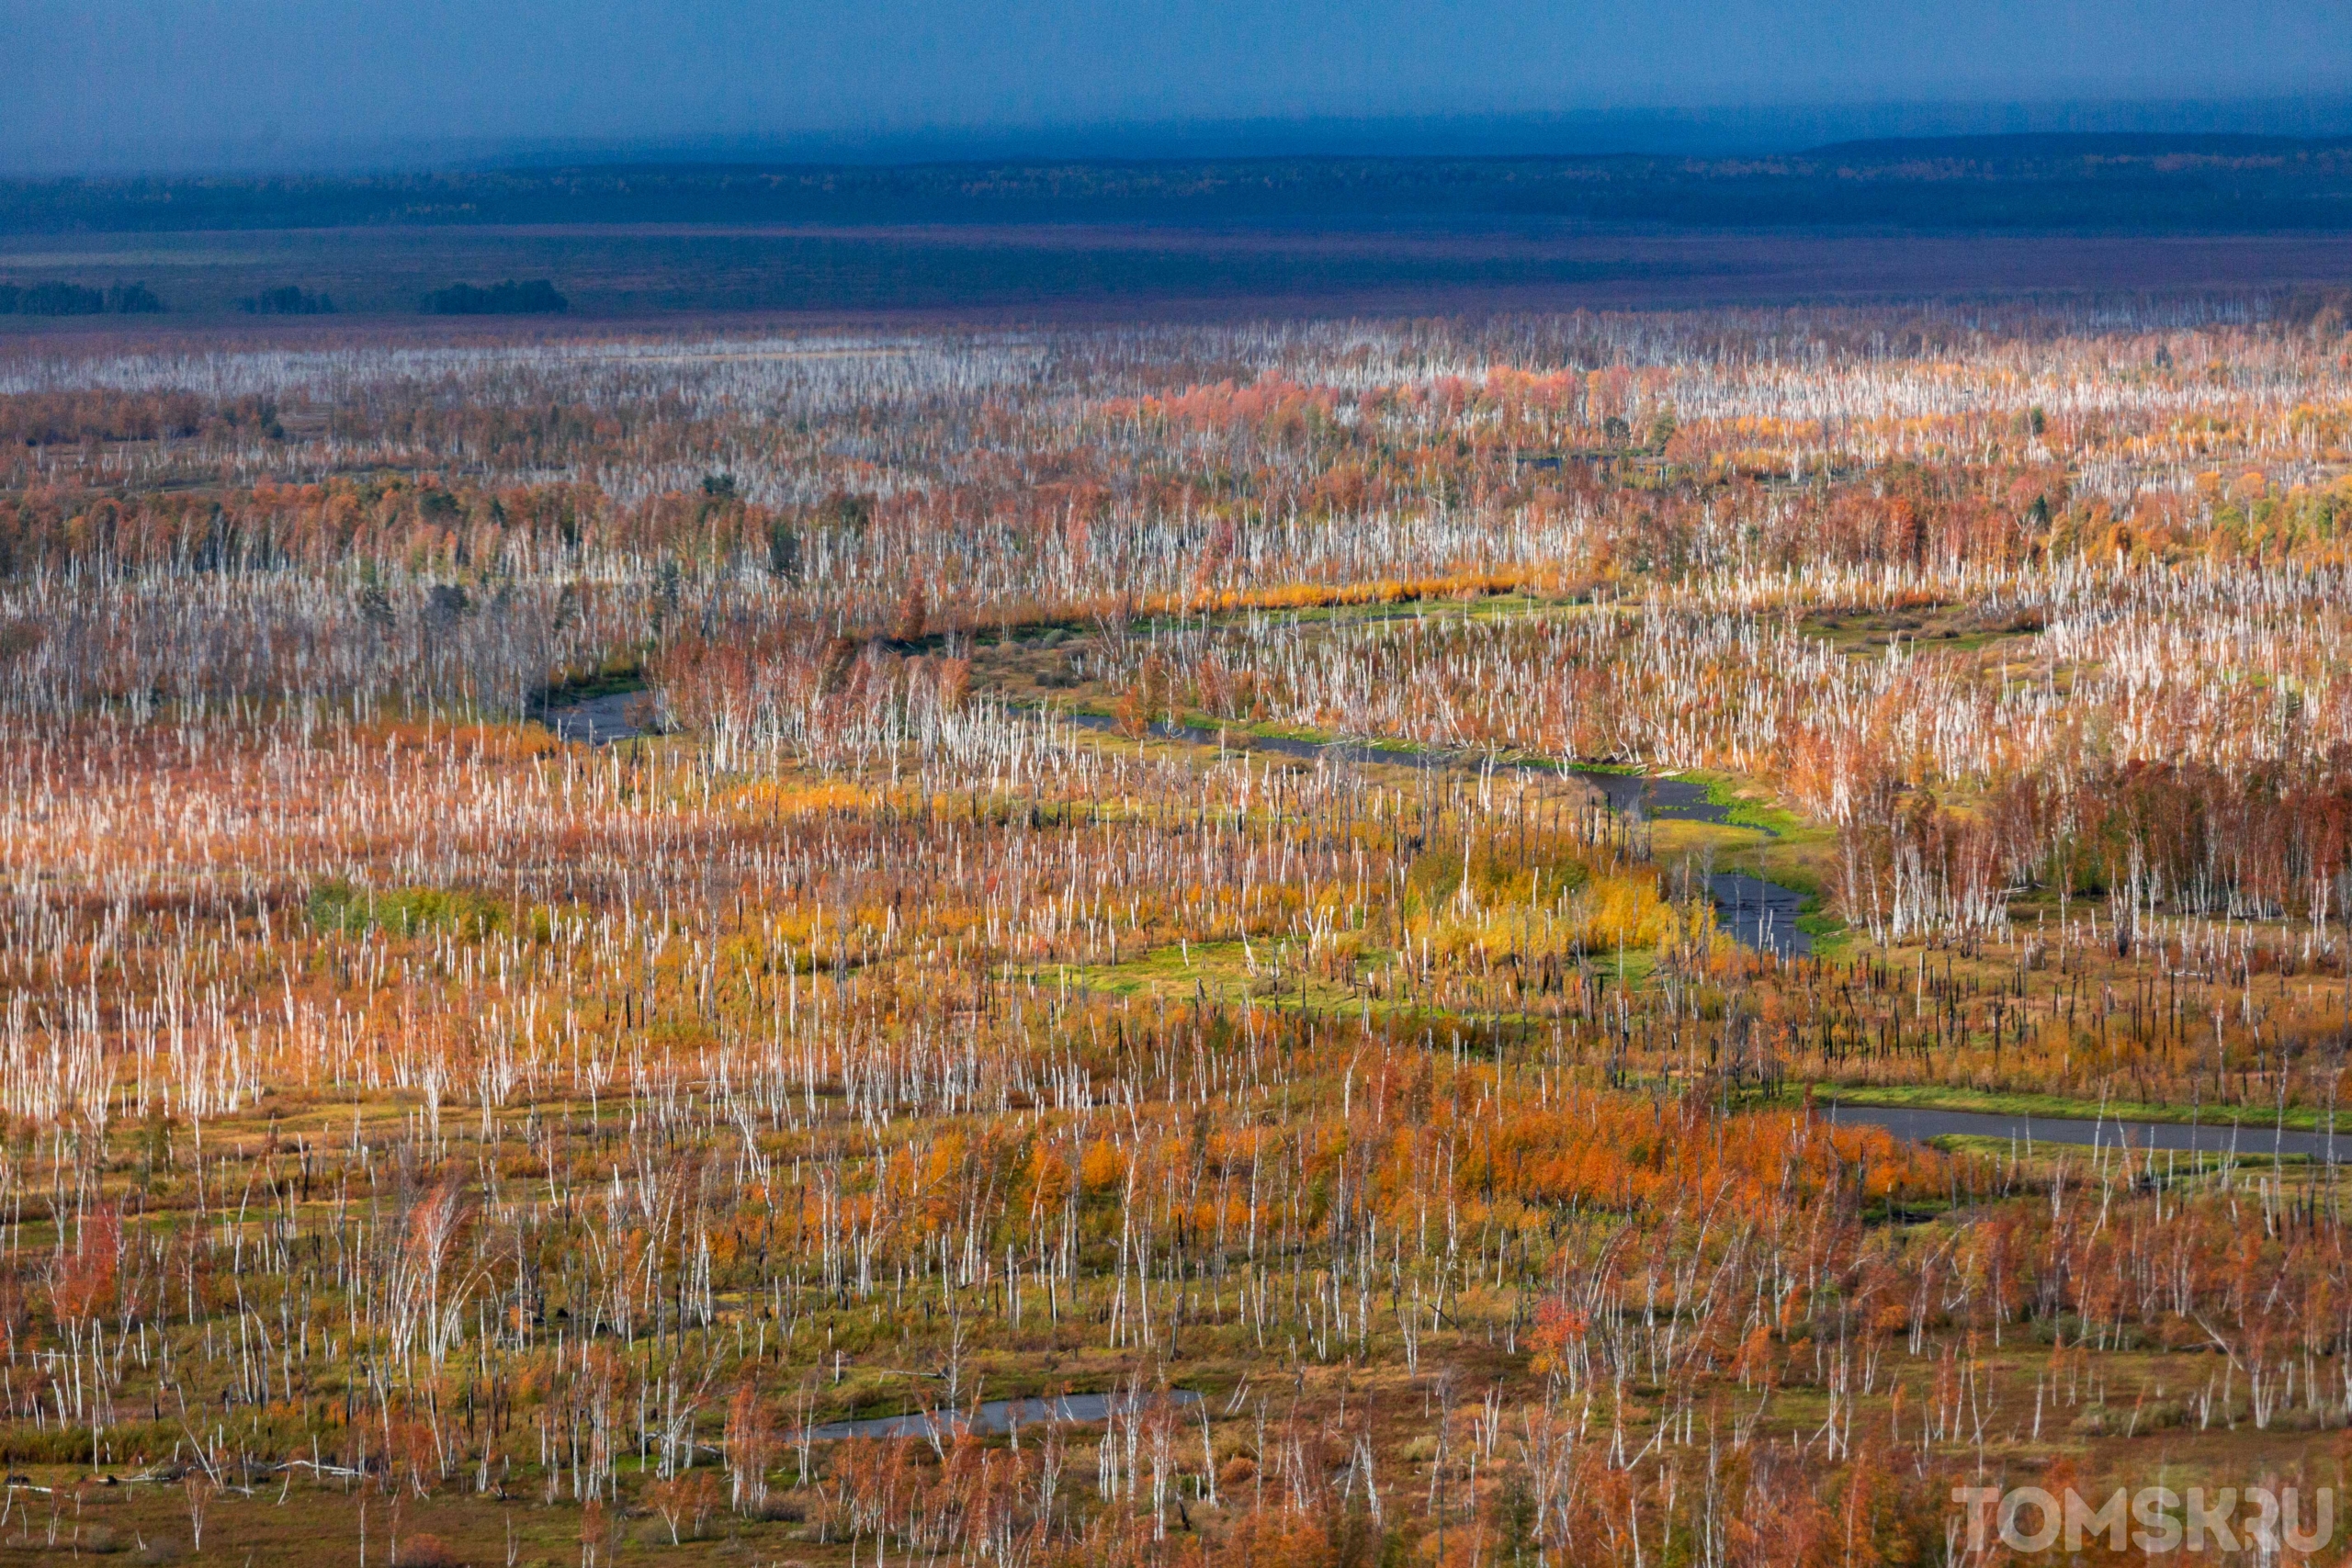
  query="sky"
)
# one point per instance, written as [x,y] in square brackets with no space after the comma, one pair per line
[114,85]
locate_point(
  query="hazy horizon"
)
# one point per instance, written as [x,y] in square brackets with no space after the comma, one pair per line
[262,84]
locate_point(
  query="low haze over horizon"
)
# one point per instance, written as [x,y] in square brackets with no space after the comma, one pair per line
[261,83]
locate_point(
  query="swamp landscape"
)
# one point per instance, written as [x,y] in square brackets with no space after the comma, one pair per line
[1549,933]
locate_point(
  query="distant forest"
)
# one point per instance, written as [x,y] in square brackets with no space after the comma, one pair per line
[58,298]
[536,298]
[2073,184]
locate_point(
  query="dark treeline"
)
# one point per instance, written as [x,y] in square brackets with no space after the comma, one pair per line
[2207,183]
[288,300]
[536,298]
[56,298]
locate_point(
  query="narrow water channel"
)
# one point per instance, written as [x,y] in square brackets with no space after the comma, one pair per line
[1754,912]
[2248,1141]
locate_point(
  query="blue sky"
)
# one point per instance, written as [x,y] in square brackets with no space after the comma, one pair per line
[125,82]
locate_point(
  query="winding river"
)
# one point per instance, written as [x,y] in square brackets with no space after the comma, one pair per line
[1754,912]
[1757,914]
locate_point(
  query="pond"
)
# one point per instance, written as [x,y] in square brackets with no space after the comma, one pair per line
[596,720]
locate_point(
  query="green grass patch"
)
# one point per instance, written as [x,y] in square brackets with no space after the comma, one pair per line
[337,906]
[1747,808]
[1220,972]
[1830,935]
